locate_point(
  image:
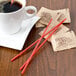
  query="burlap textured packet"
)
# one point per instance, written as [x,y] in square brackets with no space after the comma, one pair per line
[64,13]
[63,41]
[46,15]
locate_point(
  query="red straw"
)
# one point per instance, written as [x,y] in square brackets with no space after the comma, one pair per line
[27,62]
[35,42]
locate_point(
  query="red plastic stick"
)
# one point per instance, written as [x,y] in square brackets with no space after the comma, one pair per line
[35,42]
[27,62]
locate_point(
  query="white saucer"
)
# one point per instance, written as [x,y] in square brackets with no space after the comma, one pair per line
[16,41]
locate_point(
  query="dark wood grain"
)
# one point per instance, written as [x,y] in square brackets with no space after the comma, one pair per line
[46,62]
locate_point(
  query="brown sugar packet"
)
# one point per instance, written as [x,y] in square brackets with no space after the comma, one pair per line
[63,41]
[46,15]
[46,18]
[60,30]
[66,13]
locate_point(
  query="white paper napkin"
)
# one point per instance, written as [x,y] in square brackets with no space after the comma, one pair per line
[16,41]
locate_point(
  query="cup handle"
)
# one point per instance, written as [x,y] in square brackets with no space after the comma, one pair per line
[30,8]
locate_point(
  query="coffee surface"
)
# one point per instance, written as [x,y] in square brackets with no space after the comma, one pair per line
[6,7]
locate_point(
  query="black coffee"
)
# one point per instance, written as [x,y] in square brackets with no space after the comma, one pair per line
[6,7]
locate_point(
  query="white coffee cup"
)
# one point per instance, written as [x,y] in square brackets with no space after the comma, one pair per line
[11,22]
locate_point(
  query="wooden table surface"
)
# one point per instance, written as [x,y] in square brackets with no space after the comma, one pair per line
[46,62]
